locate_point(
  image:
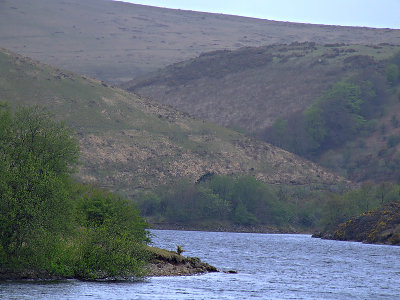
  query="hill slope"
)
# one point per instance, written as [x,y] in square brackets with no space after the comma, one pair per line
[129,142]
[250,88]
[116,42]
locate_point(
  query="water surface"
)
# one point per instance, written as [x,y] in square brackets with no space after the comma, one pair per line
[269,267]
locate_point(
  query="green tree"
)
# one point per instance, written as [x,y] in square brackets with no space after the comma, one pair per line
[222,185]
[280,132]
[210,205]
[243,217]
[315,126]
[392,73]
[333,211]
[37,156]
[341,111]
[48,221]
[112,235]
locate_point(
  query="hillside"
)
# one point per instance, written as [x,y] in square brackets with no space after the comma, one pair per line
[116,42]
[251,87]
[131,143]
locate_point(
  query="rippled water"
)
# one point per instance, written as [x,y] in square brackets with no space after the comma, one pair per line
[269,267]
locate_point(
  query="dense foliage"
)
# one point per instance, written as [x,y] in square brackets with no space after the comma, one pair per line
[47,221]
[332,131]
[338,208]
[217,199]
[339,115]
[111,234]
[226,199]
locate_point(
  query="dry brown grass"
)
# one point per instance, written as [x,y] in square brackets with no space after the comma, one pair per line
[116,42]
[250,88]
[129,143]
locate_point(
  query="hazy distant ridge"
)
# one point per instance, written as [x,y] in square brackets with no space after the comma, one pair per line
[116,41]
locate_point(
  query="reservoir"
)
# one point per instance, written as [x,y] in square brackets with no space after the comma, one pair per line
[269,266]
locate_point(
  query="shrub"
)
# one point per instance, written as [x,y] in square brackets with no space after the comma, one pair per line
[113,235]
[393,140]
[392,73]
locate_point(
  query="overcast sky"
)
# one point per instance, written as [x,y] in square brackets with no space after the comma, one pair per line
[370,13]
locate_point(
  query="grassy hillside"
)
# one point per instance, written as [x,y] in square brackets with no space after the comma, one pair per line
[251,87]
[266,90]
[116,42]
[130,143]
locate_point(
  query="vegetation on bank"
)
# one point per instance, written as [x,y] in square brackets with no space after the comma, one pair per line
[216,198]
[243,200]
[380,226]
[48,221]
[339,208]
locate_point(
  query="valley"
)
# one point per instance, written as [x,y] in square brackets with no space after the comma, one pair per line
[178,109]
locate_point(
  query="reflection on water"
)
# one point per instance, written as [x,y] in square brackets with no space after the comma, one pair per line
[269,267]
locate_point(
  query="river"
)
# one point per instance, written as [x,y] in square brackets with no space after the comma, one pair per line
[269,266]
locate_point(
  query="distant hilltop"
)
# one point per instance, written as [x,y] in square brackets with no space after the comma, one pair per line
[116,42]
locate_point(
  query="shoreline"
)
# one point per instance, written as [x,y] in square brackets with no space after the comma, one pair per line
[228,228]
[162,263]
[170,263]
[379,226]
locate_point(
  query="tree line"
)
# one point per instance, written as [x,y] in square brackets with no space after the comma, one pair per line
[221,199]
[242,200]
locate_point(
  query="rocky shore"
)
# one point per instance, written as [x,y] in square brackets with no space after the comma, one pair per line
[169,263]
[380,226]
[224,228]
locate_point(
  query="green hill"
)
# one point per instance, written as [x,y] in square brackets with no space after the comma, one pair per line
[131,143]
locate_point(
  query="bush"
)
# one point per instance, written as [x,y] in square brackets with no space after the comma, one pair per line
[392,73]
[113,235]
[393,140]
[243,217]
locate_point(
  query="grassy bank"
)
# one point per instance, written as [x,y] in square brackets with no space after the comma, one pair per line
[160,262]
